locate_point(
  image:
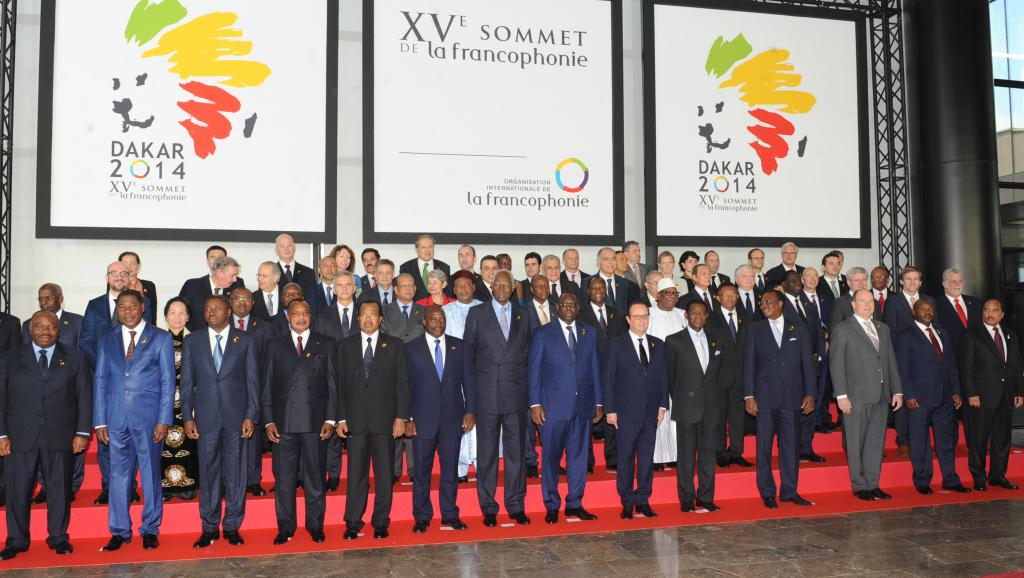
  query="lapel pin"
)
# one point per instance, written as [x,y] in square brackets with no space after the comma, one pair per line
[234,339]
[67,322]
[384,344]
[144,341]
[791,328]
[60,362]
[308,355]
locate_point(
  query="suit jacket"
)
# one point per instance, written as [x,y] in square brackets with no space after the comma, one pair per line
[221,399]
[625,293]
[842,309]
[437,405]
[810,321]
[717,281]
[371,404]
[777,274]
[374,295]
[136,394]
[564,286]
[694,295]
[634,393]
[823,307]
[615,320]
[730,374]
[501,383]
[643,274]
[824,291]
[858,371]
[259,305]
[57,405]
[395,323]
[328,322]
[565,386]
[301,274]
[946,317]
[898,315]
[279,324]
[581,280]
[364,283]
[694,392]
[983,373]
[778,377]
[98,321]
[318,299]
[481,293]
[70,329]
[412,267]
[259,329]
[756,314]
[534,318]
[10,334]
[925,376]
[196,291]
[299,393]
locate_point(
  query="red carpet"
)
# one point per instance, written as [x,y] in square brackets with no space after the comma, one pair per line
[827,485]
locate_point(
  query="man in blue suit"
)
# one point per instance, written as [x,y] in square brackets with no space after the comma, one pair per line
[100,318]
[443,408]
[565,399]
[635,401]
[220,390]
[899,317]
[931,387]
[799,307]
[778,384]
[133,406]
[540,311]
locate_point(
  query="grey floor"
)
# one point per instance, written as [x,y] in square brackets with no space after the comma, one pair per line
[959,540]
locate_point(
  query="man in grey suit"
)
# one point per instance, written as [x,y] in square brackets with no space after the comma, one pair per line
[636,271]
[866,380]
[403,319]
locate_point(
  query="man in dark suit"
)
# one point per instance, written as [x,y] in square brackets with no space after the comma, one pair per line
[636,399]
[539,311]
[243,320]
[776,274]
[729,323]
[443,408]
[755,260]
[619,291]
[369,257]
[842,308]
[266,300]
[300,407]
[280,324]
[811,299]
[497,333]
[714,262]
[374,404]
[219,399]
[609,322]
[223,278]
[384,291]
[424,263]
[955,311]
[565,399]
[635,270]
[291,270]
[899,317]
[866,381]
[701,290]
[932,389]
[10,331]
[798,307]
[403,319]
[321,295]
[133,407]
[572,274]
[51,298]
[532,265]
[880,288]
[747,293]
[488,269]
[778,384]
[552,271]
[45,415]
[694,364]
[833,285]
[989,361]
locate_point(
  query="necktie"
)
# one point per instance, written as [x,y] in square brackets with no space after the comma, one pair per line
[43,365]
[368,356]
[503,321]
[872,335]
[749,304]
[113,311]
[760,282]
[834,285]
[881,301]
[298,345]
[542,312]
[611,289]
[216,291]
[732,327]
[636,272]
[131,347]
[999,344]
[344,320]
[218,354]
[601,320]
[800,309]
[572,277]
[644,361]
[935,343]
[702,351]
[405,312]
[438,359]
[777,332]
[572,341]
[554,289]
[330,296]
[287,273]
[385,298]
[707,301]
[373,282]
[241,324]
[960,312]
[814,301]
[426,269]
[270,304]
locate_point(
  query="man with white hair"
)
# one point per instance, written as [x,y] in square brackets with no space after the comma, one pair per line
[777,274]
[956,311]
[842,308]
[749,295]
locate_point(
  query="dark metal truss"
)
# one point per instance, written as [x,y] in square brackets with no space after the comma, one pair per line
[8,21]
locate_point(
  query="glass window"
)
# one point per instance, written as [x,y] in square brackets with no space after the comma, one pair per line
[997,18]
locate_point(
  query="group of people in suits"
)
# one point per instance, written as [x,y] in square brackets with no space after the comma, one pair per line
[319,364]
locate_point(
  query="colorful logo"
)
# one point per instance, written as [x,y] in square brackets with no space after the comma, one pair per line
[565,163]
[765,83]
[204,53]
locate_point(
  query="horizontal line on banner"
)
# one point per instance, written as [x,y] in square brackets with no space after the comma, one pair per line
[462,155]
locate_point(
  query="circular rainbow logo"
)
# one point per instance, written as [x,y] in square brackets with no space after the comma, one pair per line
[562,165]
[139,173]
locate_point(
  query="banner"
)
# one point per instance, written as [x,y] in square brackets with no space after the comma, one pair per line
[188,119]
[493,120]
[756,127]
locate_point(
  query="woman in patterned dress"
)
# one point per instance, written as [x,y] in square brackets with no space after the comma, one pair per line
[178,462]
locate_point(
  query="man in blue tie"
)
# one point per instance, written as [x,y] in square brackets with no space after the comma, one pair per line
[565,399]
[133,407]
[443,408]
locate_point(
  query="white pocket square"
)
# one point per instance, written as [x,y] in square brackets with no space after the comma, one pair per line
[792,338]
[717,353]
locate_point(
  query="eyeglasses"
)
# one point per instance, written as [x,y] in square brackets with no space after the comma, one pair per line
[118,274]
[640,317]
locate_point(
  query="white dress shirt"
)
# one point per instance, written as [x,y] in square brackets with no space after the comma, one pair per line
[343,308]
[600,310]
[235,319]
[543,311]
[274,299]
[223,338]
[126,336]
[305,339]
[431,346]
[924,329]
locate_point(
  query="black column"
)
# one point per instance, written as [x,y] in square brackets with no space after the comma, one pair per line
[954,179]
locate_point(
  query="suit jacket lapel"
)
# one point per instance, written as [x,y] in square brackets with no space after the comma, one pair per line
[28,357]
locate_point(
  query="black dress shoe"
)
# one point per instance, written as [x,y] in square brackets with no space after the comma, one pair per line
[298,484]
[925,490]
[626,513]
[490,520]
[233,538]
[561,471]
[531,471]
[980,487]
[1004,483]
[256,490]
[8,553]
[646,511]
[723,461]
[282,538]
[40,497]
[420,526]
[742,462]
[205,540]
[770,503]
[463,479]
[551,517]
[150,542]
[136,498]
[659,467]
[102,499]
[866,495]
[520,518]
[687,507]
[709,506]
[317,536]
[72,498]
[610,468]
[332,484]
[63,548]
[796,500]
[959,488]
[380,533]
[590,469]
[880,495]
[115,543]
[579,513]
[455,524]
[3,500]
[351,534]
[811,457]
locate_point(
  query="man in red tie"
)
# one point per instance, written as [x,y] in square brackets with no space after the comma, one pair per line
[880,286]
[955,311]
